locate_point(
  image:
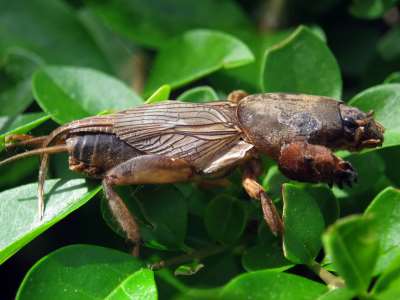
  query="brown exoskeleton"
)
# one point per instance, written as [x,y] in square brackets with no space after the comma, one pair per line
[174,141]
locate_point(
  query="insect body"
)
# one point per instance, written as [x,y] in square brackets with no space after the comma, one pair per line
[174,141]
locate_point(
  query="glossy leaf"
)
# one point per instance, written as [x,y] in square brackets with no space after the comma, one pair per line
[389,279]
[302,63]
[187,58]
[159,95]
[353,245]
[88,272]
[225,219]
[18,211]
[149,25]
[304,224]
[272,286]
[199,94]
[249,77]
[385,208]
[265,256]
[384,100]
[140,285]
[338,294]
[70,93]
[48,28]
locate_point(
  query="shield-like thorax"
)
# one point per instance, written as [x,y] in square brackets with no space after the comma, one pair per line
[271,120]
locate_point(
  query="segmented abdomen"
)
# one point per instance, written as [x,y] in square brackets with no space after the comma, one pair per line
[94,154]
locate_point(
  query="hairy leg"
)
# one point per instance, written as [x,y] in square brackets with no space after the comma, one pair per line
[313,163]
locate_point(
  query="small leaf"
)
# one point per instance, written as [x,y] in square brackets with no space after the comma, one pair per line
[88,272]
[147,23]
[353,245]
[393,78]
[225,219]
[188,269]
[160,95]
[265,256]
[370,9]
[70,93]
[385,209]
[199,94]
[384,100]
[302,63]
[272,286]
[304,224]
[389,45]
[188,57]
[18,211]
[165,209]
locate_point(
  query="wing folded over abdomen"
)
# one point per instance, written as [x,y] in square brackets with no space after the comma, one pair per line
[196,132]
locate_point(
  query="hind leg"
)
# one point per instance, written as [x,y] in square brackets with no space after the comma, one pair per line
[24,140]
[151,169]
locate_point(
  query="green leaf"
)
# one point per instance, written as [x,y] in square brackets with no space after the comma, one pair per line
[70,93]
[152,24]
[370,9]
[384,100]
[199,94]
[18,211]
[389,45]
[22,124]
[390,278]
[188,269]
[393,78]
[272,286]
[88,272]
[353,245]
[159,95]
[190,57]
[225,219]
[140,285]
[16,99]
[304,224]
[385,209]
[265,256]
[249,76]
[302,63]
[50,29]
[338,294]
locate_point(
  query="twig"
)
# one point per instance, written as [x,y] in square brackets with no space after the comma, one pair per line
[189,256]
[326,276]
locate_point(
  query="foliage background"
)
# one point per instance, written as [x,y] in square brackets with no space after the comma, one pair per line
[64,60]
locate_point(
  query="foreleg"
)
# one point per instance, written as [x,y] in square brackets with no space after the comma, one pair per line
[313,163]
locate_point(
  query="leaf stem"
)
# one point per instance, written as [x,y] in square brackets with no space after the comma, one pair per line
[326,276]
[199,254]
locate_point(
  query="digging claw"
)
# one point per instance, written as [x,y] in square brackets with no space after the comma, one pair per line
[345,175]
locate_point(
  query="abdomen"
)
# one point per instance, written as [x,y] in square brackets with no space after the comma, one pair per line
[95,154]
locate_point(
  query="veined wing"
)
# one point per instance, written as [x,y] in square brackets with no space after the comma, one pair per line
[195,132]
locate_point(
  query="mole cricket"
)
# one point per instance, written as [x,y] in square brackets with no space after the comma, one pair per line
[174,141]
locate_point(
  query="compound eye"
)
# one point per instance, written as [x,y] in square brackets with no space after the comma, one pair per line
[349,124]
